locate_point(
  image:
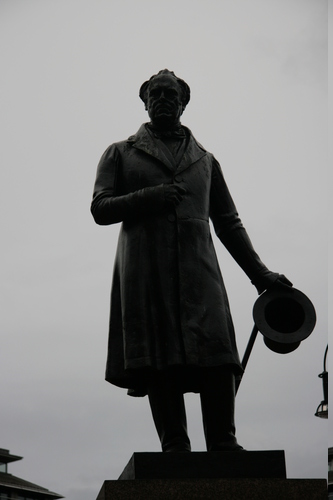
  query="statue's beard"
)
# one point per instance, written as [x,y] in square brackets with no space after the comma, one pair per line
[163,117]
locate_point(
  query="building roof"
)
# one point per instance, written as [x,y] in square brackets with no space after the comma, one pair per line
[16,483]
[6,457]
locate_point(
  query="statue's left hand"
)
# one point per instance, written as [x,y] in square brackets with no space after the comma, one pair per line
[283,281]
[270,279]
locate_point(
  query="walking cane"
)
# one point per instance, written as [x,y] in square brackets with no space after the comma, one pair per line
[285,317]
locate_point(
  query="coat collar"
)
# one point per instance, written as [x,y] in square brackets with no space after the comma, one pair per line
[144,141]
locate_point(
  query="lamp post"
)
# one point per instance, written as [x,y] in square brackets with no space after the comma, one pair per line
[322,410]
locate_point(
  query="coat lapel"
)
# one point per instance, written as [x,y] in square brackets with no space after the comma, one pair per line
[143,140]
[193,152]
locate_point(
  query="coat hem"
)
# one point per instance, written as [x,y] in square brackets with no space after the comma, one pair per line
[136,380]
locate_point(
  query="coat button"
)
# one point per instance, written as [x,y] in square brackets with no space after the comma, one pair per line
[171,217]
[178,178]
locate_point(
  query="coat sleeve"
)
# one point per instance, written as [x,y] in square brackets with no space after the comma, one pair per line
[109,208]
[232,233]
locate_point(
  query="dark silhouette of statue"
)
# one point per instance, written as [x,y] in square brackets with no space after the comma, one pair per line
[171,330]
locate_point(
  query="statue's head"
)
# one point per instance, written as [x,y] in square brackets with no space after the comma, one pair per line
[165,97]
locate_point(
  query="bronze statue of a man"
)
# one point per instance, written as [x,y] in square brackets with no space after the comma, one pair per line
[171,330]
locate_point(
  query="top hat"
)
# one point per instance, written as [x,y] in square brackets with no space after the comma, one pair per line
[285,317]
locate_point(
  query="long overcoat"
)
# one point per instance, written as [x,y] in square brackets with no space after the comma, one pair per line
[169,306]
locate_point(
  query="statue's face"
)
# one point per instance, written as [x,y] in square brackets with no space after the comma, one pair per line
[164,103]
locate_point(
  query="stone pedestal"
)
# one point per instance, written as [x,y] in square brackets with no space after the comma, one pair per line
[258,475]
[215,489]
[203,465]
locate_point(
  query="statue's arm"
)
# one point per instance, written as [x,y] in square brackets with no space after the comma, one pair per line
[107,206]
[233,235]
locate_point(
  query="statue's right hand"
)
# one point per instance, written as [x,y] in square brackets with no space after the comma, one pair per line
[173,194]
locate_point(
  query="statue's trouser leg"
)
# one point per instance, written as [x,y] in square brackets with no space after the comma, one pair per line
[217,396]
[168,410]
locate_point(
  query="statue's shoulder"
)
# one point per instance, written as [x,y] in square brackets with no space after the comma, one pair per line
[123,146]
[120,145]
[196,145]
[139,135]
[195,141]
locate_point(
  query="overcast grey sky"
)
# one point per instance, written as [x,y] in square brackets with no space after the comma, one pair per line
[71,71]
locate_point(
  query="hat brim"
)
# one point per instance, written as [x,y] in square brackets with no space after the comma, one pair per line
[286,317]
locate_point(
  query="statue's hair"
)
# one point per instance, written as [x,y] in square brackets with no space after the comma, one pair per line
[182,84]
